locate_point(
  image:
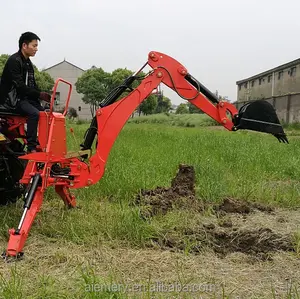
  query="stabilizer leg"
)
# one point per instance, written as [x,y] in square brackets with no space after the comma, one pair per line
[65,194]
[33,202]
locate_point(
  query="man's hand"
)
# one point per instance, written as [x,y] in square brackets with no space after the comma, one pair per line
[45,96]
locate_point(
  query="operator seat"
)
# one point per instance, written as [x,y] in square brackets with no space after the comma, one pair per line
[8,111]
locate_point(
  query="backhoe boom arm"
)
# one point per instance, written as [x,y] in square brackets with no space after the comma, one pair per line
[111,118]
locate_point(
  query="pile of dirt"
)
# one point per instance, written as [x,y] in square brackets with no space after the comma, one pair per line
[223,234]
[181,195]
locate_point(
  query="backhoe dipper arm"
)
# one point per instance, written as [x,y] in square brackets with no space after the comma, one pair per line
[112,116]
[177,77]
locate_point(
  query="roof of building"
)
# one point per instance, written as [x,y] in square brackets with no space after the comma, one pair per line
[64,61]
[275,69]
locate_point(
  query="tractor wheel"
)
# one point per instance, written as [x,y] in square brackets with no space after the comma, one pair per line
[11,171]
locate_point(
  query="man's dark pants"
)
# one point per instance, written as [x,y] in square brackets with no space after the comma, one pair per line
[31,109]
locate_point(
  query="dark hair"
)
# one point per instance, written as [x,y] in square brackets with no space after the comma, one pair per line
[26,38]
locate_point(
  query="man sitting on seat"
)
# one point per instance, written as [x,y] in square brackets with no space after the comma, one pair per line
[18,72]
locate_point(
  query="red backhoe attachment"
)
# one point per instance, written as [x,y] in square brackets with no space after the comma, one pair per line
[55,166]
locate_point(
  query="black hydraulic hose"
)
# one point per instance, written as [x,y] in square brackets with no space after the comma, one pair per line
[201,88]
[29,196]
[110,99]
[115,93]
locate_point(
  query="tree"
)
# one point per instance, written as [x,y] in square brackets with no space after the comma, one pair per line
[118,76]
[182,109]
[94,84]
[72,113]
[3,59]
[148,106]
[164,104]
[44,81]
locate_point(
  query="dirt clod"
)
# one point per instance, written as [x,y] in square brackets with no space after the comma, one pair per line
[181,194]
[234,206]
[231,205]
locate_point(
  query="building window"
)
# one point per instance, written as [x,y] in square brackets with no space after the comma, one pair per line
[79,108]
[240,86]
[57,98]
[260,80]
[269,78]
[252,83]
[245,85]
[292,71]
[280,75]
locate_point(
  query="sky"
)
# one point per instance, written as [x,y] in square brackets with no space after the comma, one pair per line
[219,42]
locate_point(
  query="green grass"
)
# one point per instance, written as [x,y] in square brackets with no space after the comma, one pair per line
[171,119]
[244,165]
[240,164]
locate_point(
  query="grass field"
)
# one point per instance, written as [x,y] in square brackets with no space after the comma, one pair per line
[79,253]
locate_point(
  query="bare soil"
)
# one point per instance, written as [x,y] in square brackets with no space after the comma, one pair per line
[181,194]
[229,228]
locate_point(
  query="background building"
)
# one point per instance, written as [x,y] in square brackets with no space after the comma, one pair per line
[278,81]
[70,73]
[280,86]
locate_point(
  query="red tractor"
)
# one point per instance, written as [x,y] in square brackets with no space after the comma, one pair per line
[29,175]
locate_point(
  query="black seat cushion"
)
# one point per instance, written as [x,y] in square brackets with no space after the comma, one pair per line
[6,110]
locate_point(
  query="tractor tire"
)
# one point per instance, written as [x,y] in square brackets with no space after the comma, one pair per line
[11,171]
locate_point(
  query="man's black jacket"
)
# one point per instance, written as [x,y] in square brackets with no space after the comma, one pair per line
[14,74]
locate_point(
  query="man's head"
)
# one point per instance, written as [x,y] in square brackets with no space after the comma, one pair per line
[28,44]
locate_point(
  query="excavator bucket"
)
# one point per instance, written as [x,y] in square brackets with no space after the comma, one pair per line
[260,116]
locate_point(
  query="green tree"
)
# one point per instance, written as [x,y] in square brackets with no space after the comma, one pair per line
[72,113]
[94,84]
[182,109]
[44,81]
[148,106]
[3,59]
[164,104]
[118,76]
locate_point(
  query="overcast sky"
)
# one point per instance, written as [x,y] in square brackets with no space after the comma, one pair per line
[218,41]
